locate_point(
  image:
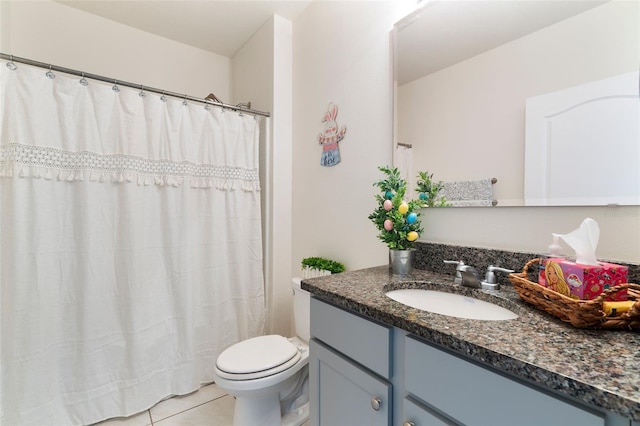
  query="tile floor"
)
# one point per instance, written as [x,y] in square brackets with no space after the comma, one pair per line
[208,406]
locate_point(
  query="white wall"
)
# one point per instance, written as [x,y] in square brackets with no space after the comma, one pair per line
[341,55]
[281,173]
[253,68]
[4,27]
[51,32]
[528,229]
[262,68]
[490,101]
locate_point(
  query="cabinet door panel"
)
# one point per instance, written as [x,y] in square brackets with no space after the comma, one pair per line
[358,338]
[477,396]
[343,393]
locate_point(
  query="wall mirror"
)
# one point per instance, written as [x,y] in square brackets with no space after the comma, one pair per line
[465,71]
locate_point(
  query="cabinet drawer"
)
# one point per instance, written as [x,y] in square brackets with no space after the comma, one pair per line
[417,415]
[360,339]
[475,395]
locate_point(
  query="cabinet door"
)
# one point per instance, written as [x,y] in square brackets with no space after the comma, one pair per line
[343,393]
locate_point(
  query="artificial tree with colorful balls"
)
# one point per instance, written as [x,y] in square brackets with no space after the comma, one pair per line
[397,219]
[429,190]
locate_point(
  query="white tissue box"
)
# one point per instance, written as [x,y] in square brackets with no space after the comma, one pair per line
[582,281]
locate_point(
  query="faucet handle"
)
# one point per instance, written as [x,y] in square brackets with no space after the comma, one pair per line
[490,278]
[459,264]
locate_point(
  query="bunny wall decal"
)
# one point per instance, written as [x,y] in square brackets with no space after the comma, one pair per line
[330,137]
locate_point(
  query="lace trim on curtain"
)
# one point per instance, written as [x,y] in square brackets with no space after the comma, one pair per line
[51,163]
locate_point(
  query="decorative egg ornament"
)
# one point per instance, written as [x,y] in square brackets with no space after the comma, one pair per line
[387,205]
[423,196]
[388,195]
[412,218]
[412,236]
[403,208]
[388,225]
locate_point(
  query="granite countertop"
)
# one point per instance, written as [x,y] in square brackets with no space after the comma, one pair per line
[599,368]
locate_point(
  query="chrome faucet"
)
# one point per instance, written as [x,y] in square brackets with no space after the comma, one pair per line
[471,278]
[459,264]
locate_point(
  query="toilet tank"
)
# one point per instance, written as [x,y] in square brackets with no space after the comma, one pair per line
[301,309]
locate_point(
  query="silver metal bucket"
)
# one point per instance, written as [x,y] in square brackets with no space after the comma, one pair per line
[401,261]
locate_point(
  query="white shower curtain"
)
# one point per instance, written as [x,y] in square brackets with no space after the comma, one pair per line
[130,246]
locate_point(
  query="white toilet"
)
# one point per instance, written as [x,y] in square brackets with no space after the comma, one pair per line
[269,375]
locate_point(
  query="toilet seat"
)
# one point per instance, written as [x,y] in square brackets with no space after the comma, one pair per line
[257,357]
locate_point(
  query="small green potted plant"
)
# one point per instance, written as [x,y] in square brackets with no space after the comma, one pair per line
[318,266]
[398,220]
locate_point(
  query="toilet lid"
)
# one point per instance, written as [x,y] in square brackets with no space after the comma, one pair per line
[264,355]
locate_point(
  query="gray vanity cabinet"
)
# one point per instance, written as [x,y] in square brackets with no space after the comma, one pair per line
[363,372]
[349,368]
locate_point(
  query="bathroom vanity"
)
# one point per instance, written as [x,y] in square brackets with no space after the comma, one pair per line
[376,361]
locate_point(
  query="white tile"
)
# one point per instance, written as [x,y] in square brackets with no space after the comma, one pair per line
[140,419]
[214,413]
[177,404]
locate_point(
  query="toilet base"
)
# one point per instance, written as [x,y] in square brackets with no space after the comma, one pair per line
[297,417]
[264,410]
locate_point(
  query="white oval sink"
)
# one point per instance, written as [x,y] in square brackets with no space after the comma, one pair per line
[454,305]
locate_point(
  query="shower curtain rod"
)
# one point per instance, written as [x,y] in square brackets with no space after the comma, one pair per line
[50,67]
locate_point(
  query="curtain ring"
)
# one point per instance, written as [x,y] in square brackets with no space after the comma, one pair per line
[115,87]
[83,81]
[10,64]
[50,73]
[184,103]
[142,94]
[163,98]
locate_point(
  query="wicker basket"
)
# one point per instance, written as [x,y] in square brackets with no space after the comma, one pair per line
[579,313]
